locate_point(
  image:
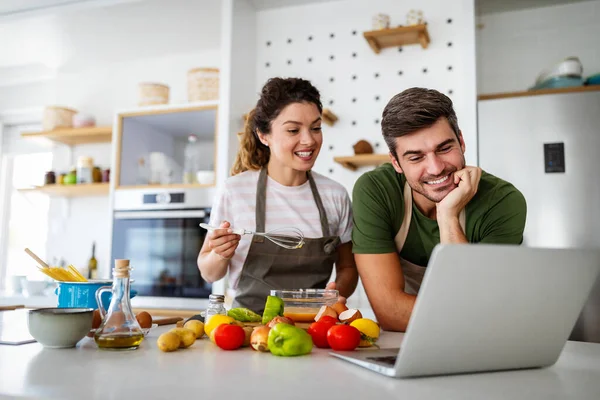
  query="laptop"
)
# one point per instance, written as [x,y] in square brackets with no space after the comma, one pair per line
[489,308]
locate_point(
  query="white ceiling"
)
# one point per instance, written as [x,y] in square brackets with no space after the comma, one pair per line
[267,4]
[73,37]
[25,8]
[495,6]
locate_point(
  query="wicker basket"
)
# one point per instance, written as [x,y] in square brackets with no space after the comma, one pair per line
[58,117]
[153,93]
[203,84]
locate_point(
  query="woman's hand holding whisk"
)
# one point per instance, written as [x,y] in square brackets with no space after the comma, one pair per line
[222,241]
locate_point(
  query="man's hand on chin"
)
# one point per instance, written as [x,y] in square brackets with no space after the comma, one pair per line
[467,180]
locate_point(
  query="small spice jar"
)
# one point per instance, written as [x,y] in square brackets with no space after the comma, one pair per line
[106,175]
[50,178]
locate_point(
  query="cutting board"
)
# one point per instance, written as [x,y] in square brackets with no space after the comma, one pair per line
[10,308]
[13,328]
[166,320]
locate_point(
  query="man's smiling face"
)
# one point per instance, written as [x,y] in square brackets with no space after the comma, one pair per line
[428,158]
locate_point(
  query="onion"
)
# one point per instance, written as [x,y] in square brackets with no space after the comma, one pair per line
[280,320]
[259,338]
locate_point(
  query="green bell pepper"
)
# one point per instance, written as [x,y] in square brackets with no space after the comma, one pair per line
[288,341]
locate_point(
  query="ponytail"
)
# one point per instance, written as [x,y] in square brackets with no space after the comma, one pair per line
[253,154]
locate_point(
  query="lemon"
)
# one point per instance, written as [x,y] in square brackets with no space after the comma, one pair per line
[215,321]
[369,331]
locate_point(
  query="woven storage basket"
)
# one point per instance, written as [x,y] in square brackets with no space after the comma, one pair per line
[203,84]
[153,93]
[58,117]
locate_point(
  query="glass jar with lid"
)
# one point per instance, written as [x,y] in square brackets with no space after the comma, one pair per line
[216,305]
[85,167]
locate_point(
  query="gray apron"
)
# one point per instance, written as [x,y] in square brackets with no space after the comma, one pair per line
[269,266]
[413,273]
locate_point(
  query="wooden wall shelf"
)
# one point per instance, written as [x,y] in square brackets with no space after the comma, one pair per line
[539,92]
[362,160]
[396,37]
[166,186]
[80,190]
[74,136]
[329,117]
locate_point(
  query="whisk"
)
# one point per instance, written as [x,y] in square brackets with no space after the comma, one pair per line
[288,238]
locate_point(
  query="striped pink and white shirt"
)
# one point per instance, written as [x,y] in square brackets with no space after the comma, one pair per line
[285,206]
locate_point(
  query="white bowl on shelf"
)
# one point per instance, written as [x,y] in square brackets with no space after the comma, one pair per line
[206,177]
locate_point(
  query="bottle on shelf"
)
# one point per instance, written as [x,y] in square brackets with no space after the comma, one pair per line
[142,177]
[191,163]
[93,264]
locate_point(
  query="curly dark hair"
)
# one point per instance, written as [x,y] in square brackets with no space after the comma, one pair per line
[275,95]
[414,109]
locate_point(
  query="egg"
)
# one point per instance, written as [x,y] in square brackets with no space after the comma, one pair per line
[96,319]
[144,319]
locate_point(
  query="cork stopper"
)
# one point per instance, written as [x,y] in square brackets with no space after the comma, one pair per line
[121,269]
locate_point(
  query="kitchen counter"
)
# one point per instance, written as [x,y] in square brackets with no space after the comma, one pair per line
[50,300]
[205,371]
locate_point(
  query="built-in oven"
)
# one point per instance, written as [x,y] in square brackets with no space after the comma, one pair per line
[159,232]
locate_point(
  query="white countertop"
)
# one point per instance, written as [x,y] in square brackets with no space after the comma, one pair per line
[205,372]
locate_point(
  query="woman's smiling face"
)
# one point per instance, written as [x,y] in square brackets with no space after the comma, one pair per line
[295,138]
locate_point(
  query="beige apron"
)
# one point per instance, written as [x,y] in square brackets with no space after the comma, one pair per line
[413,274]
[269,266]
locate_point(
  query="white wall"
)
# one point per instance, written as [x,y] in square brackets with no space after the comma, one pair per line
[514,47]
[92,60]
[452,32]
[341,18]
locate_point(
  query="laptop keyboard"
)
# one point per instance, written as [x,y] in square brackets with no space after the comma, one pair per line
[389,360]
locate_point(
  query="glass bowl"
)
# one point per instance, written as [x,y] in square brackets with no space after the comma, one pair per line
[302,305]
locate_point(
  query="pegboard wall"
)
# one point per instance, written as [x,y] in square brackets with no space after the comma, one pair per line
[324,43]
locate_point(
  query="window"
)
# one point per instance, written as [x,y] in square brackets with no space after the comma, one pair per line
[23,216]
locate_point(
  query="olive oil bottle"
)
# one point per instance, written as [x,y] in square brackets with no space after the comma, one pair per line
[119,329]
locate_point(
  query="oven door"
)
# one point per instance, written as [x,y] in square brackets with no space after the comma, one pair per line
[163,247]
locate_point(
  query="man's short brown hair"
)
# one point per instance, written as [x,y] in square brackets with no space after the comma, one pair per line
[415,109]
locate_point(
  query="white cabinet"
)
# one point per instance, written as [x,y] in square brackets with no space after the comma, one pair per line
[150,144]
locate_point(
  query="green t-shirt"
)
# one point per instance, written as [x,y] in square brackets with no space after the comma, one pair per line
[496,214]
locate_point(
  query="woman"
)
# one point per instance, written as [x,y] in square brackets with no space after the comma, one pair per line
[272,186]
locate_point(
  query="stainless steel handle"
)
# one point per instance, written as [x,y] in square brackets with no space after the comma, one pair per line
[159,214]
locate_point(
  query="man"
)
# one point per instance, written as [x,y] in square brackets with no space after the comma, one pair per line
[426,196]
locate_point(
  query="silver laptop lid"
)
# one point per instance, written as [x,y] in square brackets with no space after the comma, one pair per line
[494,307]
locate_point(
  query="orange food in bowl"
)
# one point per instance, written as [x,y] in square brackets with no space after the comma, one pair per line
[144,319]
[301,314]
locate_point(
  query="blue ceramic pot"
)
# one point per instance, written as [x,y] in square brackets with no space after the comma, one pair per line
[83,294]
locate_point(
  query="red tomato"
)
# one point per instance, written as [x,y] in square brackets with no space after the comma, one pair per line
[329,319]
[318,332]
[343,337]
[229,337]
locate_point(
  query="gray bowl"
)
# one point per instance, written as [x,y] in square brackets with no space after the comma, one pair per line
[59,327]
